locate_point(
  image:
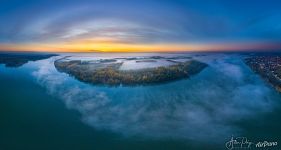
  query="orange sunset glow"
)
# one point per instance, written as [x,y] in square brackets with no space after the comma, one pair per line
[85,46]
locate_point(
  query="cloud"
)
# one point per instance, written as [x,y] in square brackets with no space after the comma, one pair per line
[153,22]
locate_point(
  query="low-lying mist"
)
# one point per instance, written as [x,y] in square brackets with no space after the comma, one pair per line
[206,106]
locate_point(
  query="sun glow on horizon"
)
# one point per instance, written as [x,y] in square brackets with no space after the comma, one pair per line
[86,46]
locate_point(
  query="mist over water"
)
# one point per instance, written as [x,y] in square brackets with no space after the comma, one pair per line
[207,106]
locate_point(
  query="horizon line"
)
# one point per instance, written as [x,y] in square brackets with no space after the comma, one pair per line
[180,51]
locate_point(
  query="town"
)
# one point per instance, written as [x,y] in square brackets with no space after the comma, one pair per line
[269,67]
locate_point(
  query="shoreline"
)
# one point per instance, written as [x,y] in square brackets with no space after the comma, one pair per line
[111,75]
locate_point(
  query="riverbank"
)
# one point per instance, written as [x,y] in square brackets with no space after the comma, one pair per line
[110,74]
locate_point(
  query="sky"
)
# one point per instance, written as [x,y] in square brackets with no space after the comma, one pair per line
[139,25]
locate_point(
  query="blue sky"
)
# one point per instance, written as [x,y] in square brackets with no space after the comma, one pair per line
[140,22]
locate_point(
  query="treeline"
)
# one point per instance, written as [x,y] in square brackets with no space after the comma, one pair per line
[111,75]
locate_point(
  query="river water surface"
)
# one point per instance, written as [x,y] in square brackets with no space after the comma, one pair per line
[41,108]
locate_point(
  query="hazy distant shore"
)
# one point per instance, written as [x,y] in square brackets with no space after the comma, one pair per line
[18,59]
